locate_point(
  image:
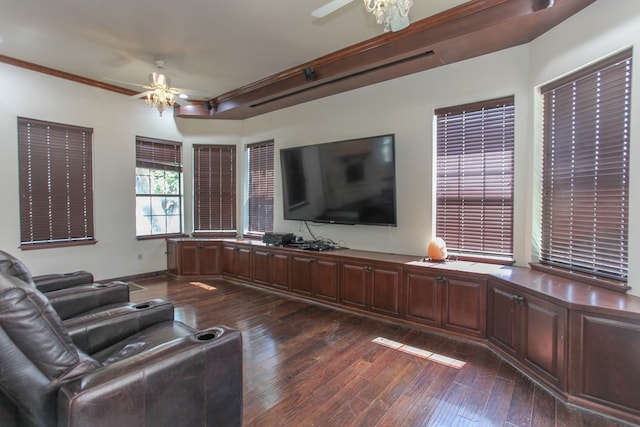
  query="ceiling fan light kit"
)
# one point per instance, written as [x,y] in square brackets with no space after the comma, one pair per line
[393,14]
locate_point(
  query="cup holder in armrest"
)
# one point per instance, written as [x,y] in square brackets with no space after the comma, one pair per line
[142,306]
[208,335]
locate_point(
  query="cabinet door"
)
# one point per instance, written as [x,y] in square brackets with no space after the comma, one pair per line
[604,356]
[301,274]
[543,346]
[188,259]
[262,266]
[422,296]
[353,291]
[385,290]
[503,325]
[172,258]
[465,306]
[325,279]
[229,259]
[280,270]
[243,261]
[209,259]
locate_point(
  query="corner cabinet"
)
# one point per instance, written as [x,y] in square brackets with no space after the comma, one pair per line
[193,257]
[530,331]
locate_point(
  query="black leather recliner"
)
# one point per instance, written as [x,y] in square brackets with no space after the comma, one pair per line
[46,282]
[70,294]
[168,374]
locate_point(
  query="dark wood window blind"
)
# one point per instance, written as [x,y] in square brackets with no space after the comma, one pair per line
[474,179]
[56,184]
[155,153]
[260,203]
[585,169]
[214,188]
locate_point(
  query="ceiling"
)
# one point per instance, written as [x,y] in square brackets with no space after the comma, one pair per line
[248,57]
[210,47]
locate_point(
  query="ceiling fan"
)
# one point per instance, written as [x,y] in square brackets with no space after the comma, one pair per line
[393,14]
[159,92]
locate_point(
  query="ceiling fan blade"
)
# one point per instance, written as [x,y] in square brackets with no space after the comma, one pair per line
[330,7]
[121,82]
[140,95]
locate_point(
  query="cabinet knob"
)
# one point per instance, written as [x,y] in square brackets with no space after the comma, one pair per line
[312,260]
[441,279]
[269,253]
[367,269]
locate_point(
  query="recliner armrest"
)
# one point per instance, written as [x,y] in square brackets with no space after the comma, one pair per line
[71,302]
[54,282]
[96,330]
[193,380]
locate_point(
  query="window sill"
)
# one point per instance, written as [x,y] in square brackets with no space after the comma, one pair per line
[611,284]
[32,246]
[160,236]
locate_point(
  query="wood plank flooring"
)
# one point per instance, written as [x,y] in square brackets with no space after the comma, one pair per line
[310,365]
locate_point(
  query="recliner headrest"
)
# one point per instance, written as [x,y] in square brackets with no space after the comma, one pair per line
[14,267]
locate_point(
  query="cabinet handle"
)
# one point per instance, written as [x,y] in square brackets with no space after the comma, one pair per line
[518,300]
[367,269]
[312,260]
[441,279]
[269,253]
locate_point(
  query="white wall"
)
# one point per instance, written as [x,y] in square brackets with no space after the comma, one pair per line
[115,120]
[403,106]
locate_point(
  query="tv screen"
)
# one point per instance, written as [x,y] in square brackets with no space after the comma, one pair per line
[342,182]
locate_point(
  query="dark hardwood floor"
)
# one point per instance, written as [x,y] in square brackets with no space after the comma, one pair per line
[310,365]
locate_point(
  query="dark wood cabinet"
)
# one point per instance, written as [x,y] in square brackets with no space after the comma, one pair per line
[271,268]
[193,258]
[531,331]
[315,276]
[371,286]
[580,341]
[448,301]
[423,297]
[236,260]
[605,357]
[464,307]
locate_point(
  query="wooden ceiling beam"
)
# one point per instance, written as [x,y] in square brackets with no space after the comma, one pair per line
[472,29]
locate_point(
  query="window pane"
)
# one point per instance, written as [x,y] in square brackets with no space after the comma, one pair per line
[158,188]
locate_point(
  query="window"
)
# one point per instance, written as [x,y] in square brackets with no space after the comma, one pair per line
[474,182]
[158,187]
[585,170]
[56,184]
[260,191]
[214,189]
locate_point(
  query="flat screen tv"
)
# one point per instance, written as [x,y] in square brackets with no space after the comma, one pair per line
[342,182]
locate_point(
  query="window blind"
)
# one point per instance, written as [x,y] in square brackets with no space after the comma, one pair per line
[474,179]
[214,188]
[585,169]
[56,183]
[158,154]
[260,203]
